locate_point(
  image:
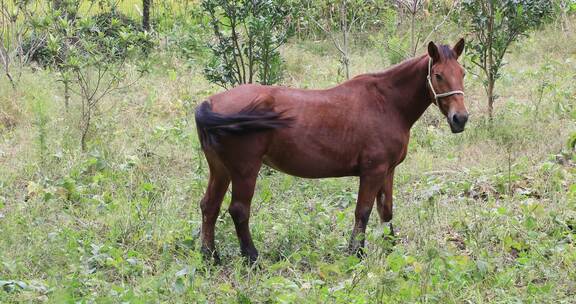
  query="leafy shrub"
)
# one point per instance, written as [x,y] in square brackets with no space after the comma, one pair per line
[572,142]
[90,54]
[397,49]
[496,25]
[111,26]
[369,15]
[182,29]
[247,35]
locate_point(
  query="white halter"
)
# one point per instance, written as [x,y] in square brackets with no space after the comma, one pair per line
[436,96]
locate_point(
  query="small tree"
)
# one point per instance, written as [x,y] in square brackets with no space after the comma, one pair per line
[91,55]
[414,8]
[57,21]
[495,25]
[247,35]
[146,14]
[339,20]
[426,18]
[16,47]
[565,8]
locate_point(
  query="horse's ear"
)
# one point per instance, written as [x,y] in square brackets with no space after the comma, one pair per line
[433,51]
[459,47]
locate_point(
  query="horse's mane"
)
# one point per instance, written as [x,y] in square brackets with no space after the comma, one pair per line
[445,51]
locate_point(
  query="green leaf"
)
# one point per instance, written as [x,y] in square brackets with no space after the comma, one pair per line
[530,223]
[482,267]
[147,187]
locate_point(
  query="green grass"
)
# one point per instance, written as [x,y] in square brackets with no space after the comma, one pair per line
[488,216]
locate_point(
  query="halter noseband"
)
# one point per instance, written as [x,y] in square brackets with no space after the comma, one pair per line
[436,96]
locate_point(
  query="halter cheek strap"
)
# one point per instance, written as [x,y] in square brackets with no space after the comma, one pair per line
[437,96]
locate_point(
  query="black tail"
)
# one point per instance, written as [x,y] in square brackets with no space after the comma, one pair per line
[251,119]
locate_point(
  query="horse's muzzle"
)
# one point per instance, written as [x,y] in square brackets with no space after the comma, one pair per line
[457,122]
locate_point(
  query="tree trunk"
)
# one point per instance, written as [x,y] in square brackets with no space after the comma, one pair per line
[412,33]
[491,98]
[6,65]
[86,117]
[83,140]
[345,31]
[490,64]
[400,9]
[146,14]
[84,135]
[66,94]
[9,76]
[509,150]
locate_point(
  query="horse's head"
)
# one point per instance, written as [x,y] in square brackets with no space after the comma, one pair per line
[446,83]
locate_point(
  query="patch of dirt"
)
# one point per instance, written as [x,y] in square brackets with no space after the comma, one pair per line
[7,122]
[482,191]
[453,237]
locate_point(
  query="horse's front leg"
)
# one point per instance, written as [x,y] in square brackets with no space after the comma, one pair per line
[384,201]
[369,186]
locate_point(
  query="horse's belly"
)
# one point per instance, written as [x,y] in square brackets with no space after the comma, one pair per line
[311,163]
[307,169]
[322,142]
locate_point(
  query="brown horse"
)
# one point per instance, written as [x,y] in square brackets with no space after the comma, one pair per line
[358,128]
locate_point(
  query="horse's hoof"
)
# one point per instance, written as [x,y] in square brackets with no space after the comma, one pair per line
[251,259]
[356,249]
[360,253]
[392,233]
[210,255]
[251,256]
[391,236]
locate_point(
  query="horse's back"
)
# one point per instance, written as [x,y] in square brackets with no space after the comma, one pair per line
[329,132]
[275,97]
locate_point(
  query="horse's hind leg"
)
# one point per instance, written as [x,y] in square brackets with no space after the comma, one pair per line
[243,183]
[210,205]
[384,201]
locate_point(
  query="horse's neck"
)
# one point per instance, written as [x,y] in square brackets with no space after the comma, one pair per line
[405,87]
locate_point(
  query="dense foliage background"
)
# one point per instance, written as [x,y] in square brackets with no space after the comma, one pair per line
[101,170]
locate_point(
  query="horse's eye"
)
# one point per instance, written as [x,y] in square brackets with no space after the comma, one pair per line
[438,77]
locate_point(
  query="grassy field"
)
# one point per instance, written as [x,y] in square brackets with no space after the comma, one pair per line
[487,216]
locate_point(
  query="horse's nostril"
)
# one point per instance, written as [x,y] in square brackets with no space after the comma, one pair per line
[455,119]
[459,119]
